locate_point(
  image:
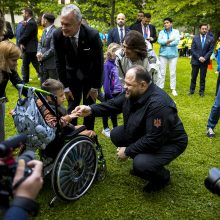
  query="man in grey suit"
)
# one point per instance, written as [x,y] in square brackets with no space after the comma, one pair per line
[45,50]
[201,49]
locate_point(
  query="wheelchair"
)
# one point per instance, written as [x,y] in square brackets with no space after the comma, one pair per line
[79,161]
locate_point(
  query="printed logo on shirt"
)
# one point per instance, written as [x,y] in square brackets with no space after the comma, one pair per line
[157,122]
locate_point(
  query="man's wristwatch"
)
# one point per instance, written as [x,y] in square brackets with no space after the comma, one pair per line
[28,205]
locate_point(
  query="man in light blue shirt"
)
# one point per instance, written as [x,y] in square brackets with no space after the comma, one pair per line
[168,40]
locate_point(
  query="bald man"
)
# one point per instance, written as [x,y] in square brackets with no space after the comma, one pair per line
[116,35]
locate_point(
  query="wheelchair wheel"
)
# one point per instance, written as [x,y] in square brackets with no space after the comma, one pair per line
[74,169]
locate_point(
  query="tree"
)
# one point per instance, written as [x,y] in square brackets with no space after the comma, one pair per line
[38,6]
[189,13]
[106,11]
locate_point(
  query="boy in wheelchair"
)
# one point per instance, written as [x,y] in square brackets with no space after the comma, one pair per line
[56,88]
[71,155]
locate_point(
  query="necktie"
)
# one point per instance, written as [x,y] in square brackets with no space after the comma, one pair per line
[73,42]
[121,35]
[45,33]
[145,32]
[203,41]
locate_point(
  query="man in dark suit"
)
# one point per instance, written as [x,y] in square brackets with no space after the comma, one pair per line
[45,50]
[79,60]
[202,47]
[148,30]
[116,35]
[140,16]
[6,29]
[28,44]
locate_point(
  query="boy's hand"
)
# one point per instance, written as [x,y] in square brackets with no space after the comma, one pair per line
[73,114]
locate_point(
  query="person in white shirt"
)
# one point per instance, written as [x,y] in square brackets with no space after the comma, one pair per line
[117,34]
[201,49]
[146,29]
[168,39]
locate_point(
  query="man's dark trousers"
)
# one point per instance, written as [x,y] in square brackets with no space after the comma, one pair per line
[195,70]
[28,58]
[149,166]
[81,88]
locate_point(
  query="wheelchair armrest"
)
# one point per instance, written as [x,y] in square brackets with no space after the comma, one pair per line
[76,131]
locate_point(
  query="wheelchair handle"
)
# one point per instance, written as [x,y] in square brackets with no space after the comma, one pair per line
[21,86]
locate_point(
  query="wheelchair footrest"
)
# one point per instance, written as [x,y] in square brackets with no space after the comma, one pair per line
[102,170]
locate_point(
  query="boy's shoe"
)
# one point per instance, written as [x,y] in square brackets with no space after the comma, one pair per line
[174,92]
[210,133]
[106,132]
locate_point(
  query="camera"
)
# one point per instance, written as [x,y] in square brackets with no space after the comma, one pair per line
[8,165]
[212,182]
[3,100]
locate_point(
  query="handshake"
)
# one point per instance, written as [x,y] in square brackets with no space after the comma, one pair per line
[82,111]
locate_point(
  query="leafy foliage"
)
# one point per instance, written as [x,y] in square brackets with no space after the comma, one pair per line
[187,14]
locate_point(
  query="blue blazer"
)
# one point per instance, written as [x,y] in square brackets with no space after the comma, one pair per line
[197,50]
[113,35]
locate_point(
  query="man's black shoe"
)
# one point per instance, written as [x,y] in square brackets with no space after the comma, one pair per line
[156,186]
[201,94]
[191,92]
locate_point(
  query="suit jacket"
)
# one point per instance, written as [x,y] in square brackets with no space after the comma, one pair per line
[19,31]
[197,50]
[46,47]
[153,33]
[113,35]
[136,22]
[29,36]
[9,32]
[87,65]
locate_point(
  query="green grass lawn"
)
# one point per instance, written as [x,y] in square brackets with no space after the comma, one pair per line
[120,195]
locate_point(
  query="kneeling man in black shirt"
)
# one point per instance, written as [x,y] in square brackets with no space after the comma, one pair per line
[152,134]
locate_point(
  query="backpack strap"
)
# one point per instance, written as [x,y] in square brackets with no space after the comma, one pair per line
[47,106]
[123,72]
[119,55]
[20,90]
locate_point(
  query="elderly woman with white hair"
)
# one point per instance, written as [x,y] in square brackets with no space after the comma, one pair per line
[9,54]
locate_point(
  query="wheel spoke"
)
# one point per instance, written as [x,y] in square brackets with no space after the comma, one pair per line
[77,170]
